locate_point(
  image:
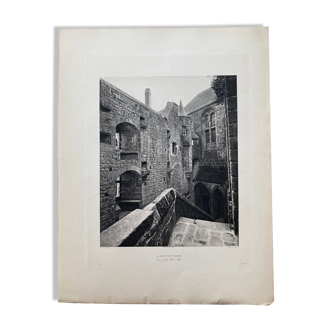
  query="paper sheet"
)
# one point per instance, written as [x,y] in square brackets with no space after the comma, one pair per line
[223,275]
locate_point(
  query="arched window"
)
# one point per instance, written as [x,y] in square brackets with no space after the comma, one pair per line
[213,119]
[127,137]
[174,149]
[206,121]
[202,197]
[210,126]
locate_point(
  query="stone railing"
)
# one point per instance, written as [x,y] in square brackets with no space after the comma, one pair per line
[153,225]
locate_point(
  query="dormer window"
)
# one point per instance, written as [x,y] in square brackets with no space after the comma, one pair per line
[184,130]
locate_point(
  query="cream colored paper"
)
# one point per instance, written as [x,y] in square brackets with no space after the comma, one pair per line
[89,273]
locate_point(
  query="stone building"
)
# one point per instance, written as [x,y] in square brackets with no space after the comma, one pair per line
[192,149]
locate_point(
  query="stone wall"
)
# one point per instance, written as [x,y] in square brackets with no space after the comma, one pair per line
[134,138]
[177,176]
[213,189]
[153,225]
[119,111]
[137,141]
[231,112]
[211,163]
[185,208]
[213,153]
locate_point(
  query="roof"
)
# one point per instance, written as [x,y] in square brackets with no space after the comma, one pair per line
[181,110]
[165,112]
[194,136]
[204,98]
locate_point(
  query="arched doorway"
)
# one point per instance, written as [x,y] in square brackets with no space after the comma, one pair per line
[202,197]
[218,205]
[129,192]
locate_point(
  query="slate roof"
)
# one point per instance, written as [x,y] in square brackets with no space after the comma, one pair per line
[181,110]
[204,98]
[165,112]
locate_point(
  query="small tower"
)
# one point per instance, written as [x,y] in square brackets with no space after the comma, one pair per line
[186,139]
[181,110]
[147,97]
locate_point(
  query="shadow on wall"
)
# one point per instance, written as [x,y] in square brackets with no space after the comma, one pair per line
[202,197]
[129,191]
[127,138]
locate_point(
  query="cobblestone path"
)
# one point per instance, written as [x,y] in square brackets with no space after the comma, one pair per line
[201,233]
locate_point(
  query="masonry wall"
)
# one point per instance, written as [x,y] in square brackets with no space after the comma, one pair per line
[116,107]
[145,151]
[213,154]
[211,163]
[232,137]
[212,188]
[178,178]
[153,225]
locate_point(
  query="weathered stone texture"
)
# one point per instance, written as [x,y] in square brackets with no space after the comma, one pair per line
[148,152]
[129,231]
[185,208]
[231,85]
[192,234]
[231,109]
[149,142]
[231,103]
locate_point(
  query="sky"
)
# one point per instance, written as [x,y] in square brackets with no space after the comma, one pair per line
[163,88]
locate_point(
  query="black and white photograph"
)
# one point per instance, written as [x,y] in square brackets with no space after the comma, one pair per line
[174,158]
[169,161]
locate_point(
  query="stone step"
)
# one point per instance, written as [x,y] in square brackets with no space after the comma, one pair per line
[196,232]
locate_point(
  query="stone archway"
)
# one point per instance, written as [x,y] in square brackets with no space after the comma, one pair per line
[202,197]
[127,137]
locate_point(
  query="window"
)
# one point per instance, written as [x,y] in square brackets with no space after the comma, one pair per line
[117,141]
[207,136]
[213,135]
[174,148]
[184,130]
[213,119]
[118,187]
[206,121]
[209,124]
[105,138]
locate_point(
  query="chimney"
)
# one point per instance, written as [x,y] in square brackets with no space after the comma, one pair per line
[147,97]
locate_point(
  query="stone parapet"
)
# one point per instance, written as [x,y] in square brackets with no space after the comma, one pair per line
[153,225]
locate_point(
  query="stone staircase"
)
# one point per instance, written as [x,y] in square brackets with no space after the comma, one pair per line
[202,233]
